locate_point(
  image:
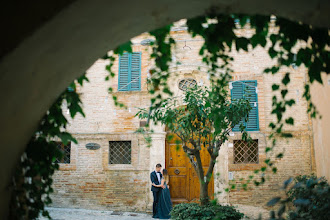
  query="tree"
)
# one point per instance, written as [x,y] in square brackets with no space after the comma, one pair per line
[204,120]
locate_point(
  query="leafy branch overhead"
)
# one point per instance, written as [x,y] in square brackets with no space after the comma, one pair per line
[290,43]
[32,182]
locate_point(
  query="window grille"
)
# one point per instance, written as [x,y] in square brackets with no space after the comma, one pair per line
[66,150]
[120,152]
[187,83]
[246,152]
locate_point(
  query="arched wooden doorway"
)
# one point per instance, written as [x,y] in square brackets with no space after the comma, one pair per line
[184,183]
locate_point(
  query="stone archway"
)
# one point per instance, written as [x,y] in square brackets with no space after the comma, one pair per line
[54,52]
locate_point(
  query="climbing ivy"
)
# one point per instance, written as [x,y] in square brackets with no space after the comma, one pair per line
[32,181]
[291,43]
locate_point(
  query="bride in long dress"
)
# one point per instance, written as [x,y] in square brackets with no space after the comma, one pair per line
[164,205]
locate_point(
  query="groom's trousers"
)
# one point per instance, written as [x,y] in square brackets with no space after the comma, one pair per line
[156,198]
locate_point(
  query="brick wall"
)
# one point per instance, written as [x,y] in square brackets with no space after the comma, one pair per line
[90,182]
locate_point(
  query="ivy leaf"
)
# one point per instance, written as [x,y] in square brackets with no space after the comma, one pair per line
[242,43]
[82,79]
[286,79]
[290,102]
[281,210]
[287,135]
[274,170]
[280,155]
[275,69]
[314,71]
[272,125]
[66,137]
[273,201]
[273,38]
[284,92]
[275,87]
[267,70]
[289,121]
[272,53]
[303,202]
[287,182]
[125,47]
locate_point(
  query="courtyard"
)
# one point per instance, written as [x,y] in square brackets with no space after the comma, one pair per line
[182,106]
[250,212]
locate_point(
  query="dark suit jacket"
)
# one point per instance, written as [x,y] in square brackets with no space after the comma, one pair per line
[154,179]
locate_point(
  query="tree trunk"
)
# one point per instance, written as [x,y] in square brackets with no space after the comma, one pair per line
[203,183]
[204,193]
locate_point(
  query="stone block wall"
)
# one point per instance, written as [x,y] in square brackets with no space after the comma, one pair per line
[90,182]
[94,183]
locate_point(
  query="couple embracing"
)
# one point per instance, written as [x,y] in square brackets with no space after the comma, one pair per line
[162,204]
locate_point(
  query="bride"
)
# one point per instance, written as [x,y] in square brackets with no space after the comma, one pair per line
[164,205]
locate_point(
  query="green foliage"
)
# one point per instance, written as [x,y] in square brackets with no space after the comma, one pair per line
[202,119]
[307,197]
[203,114]
[290,44]
[310,197]
[125,47]
[33,176]
[218,32]
[212,211]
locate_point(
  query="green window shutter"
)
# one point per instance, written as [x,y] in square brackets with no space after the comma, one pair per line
[252,96]
[247,89]
[237,92]
[124,72]
[129,78]
[136,71]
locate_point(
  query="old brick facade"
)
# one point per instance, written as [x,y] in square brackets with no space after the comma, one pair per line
[89,181]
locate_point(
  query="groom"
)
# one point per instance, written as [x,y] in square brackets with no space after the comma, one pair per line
[155,178]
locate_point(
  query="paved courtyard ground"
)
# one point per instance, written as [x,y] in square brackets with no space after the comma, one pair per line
[84,214]
[251,212]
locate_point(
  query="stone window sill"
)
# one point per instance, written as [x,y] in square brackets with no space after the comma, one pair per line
[64,166]
[128,92]
[241,167]
[127,167]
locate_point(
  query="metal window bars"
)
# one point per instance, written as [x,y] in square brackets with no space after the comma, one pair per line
[120,152]
[66,150]
[184,84]
[246,152]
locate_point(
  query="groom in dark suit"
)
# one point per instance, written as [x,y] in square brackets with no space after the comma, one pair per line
[155,178]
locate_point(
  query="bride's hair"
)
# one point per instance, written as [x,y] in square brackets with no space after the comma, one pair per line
[165,175]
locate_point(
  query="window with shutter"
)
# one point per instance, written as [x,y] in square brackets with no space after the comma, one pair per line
[247,90]
[129,78]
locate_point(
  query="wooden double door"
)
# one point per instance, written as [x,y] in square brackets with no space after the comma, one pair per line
[184,182]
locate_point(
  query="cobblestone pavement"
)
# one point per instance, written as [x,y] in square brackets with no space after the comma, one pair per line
[82,214]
